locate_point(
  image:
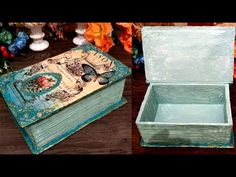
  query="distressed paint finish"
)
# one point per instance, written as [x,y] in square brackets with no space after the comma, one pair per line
[189,54]
[177,131]
[40,136]
[43,123]
[187,102]
[27,109]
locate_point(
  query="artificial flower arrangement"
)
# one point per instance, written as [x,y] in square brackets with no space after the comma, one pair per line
[125,36]
[14,37]
[138,59]
[100,35]
[60,31]
[11,45]
[103,35]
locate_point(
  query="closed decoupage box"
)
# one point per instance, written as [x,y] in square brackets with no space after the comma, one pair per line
[187,103]
[55,98]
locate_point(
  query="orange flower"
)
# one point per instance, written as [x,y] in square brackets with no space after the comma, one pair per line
[126,36]
[100,34]
[136,30]
[126,40]
[104,43]
[127,27]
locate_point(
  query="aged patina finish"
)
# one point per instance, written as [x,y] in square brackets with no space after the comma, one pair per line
[187,103]
[58,96]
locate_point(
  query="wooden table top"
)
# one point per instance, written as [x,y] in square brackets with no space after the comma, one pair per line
[139,88]
[108,135]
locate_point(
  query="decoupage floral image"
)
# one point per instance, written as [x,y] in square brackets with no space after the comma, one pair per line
[41,83]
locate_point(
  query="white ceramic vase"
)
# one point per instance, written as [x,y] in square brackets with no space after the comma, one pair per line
[80,30]
[38,44]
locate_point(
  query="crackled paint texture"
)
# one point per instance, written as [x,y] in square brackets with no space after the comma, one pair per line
[188,54]
[187,102]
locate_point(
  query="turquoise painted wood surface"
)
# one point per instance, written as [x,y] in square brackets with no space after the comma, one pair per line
[46,133]
[187,103]
[186,115]
[57,97]
[188,54]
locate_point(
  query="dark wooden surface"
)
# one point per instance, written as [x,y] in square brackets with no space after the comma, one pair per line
[139,88]
[108,135]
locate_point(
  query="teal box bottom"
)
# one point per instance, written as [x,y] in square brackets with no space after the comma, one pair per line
[36,150]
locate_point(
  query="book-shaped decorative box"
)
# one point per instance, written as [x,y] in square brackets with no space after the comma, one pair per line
[187,103]
[58,96]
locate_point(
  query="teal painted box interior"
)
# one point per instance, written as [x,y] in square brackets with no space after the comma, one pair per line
[82,85]
[187,103]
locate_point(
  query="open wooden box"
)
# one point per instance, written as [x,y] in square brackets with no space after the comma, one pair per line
[187,102]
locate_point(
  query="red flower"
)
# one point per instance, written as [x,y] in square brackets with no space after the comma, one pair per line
[44,82]
[126,36]
[41,79]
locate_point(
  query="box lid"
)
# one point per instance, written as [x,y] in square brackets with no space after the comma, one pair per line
[40,90]
[188,54]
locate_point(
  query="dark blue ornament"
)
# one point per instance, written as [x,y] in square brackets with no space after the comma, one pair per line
[13,49]
[139,60]
[20,43]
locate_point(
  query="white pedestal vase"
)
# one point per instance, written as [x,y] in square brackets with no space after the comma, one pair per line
[38,44]
[80,30]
